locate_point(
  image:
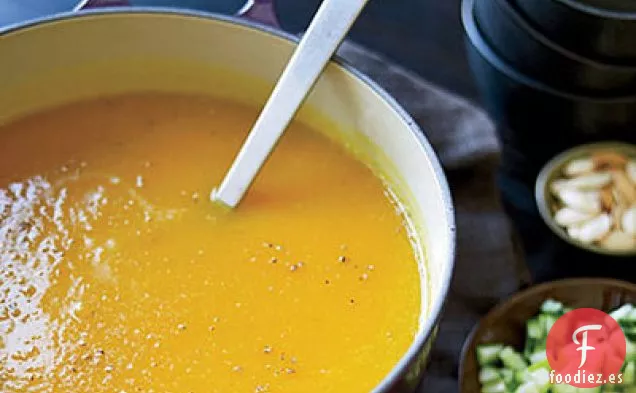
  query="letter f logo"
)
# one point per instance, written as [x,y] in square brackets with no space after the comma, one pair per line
[572,340]
[583,345]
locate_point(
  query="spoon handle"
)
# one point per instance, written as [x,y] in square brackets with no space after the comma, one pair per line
[328,28]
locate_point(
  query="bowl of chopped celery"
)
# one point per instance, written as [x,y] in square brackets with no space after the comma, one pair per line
[505,352]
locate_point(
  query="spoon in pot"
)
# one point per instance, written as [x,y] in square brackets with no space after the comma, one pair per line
[328,28]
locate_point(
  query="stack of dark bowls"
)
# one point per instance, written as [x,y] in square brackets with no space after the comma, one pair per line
[553,74]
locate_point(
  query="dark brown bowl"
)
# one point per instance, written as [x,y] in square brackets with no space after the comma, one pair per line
[506,323]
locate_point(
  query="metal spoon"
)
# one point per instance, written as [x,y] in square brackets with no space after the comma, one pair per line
[328,28]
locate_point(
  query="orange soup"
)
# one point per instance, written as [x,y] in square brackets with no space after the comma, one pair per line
[119,275]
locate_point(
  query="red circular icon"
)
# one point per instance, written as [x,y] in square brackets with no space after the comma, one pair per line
[586,348]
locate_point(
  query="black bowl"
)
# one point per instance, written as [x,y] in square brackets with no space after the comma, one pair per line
[600,29]
[537,121]
[529,51]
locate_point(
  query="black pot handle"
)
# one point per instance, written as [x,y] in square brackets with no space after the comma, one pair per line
[261,11]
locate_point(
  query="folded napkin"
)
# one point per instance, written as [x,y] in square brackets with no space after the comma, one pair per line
[488,267]
[461,133]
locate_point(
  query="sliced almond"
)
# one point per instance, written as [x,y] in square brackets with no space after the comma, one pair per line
[607,199]
[568,216]
[573,231]
[579,167]
[618,241]
[619,199]
[554,207]
[608,159]
[617,215]
[595,229]
[558,185]
[592,181]
[584,201]
[624,186]
[630,169]
[628,222]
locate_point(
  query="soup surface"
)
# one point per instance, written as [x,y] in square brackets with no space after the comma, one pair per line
[118,274]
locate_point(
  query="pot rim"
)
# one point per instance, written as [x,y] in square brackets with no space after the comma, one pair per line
[479,43]
[426,330]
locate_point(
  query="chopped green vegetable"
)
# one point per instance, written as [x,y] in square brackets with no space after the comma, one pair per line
[535,329]
[508,378]
[497,387]
[548,322]
[489,374]
[512,359]
[488,354]
[551,306]
[622,313]
[528,387]
[564,388]
[590,390]
[611,389]
[538,357]
[541,379]
[630,331]
[506,370]
[542,364]
[630,350]
[629,374]
[521,376]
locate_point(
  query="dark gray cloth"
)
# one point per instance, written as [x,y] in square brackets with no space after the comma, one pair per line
[487,267]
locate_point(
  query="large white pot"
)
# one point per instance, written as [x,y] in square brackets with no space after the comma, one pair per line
[49,61]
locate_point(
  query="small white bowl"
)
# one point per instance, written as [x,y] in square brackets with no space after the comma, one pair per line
[554,170]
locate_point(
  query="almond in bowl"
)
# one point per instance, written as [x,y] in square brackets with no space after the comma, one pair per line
[587,195]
